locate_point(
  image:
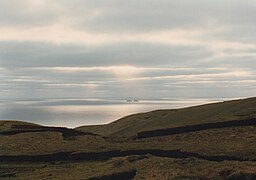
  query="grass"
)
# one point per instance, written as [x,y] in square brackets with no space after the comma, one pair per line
[237,142]
[149,167]
[7,125]
[216,112]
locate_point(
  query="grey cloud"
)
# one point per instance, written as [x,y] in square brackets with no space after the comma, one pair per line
[14,54]
[21,13]
[231,21]
[157,15]
[116,15]
[237,33]
[243,62]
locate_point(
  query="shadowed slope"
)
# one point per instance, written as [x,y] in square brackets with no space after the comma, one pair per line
[14,127]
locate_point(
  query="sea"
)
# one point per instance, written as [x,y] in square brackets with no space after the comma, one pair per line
[74,112]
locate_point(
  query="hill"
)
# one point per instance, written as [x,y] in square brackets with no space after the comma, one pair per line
[159,119]
[219,144]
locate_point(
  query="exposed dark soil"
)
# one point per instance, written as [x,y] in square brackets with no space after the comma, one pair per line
[193,128]
[83,156]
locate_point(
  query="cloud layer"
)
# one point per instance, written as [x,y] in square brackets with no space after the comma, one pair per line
[147,49]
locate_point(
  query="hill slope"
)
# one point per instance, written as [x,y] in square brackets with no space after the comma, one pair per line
[209,113]
[224,150]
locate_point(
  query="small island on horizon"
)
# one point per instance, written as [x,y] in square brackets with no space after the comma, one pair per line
[211,141]
[132,101]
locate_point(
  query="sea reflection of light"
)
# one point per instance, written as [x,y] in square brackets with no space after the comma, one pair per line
[71,114]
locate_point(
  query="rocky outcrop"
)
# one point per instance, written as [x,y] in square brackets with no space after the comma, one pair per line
[193,128]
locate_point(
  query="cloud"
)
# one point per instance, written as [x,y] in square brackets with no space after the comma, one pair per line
[148,48]
[103,81]
[64,21]
[139,54]
[115,15]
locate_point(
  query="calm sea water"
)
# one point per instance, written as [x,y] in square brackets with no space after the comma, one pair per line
[78,112]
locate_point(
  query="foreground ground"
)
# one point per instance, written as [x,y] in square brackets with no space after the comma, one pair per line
[223,149]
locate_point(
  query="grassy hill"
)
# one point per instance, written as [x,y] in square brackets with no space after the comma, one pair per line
[30,151]
[216,112]
[7,125]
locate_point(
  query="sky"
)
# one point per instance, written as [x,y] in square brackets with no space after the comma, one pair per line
[127,49]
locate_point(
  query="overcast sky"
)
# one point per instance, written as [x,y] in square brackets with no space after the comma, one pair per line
[126,49]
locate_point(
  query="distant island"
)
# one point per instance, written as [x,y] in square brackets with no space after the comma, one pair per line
[132,101]
[212,141]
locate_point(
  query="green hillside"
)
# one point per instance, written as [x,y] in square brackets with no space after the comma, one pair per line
[216,112]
